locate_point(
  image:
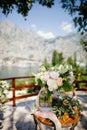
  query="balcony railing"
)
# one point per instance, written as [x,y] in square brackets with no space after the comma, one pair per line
[15,87]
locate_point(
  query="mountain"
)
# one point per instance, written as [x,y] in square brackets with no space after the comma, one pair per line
[21,47]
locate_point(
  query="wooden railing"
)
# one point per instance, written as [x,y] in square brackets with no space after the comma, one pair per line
[14,87]
[80,82]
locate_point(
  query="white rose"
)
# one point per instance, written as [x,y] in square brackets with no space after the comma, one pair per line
[71,77]
[52,84]
[45,76]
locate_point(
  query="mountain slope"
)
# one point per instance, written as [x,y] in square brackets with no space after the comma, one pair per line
[22,47]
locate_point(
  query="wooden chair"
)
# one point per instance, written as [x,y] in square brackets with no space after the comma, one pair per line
[38,119]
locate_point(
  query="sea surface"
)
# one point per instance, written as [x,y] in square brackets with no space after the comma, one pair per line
[14,71]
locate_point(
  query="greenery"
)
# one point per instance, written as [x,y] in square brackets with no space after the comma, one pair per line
[76,8]
[57,58]
[77,69]
[70,61]
[46,64]
[80,77]
[66,104]
[3,93]
[35,89]
[83,42]
[20,82]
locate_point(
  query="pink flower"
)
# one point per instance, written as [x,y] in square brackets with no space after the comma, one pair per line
[65,102]
[45,76]
[59,81]
[75,108]
[53,75]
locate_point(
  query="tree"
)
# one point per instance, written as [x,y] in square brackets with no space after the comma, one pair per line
[54,58]
[22,6]
[72,61]
[57,58]
[46,64]
[76,8]
[83,42]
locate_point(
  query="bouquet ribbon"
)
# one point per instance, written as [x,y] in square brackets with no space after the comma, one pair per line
[51,116]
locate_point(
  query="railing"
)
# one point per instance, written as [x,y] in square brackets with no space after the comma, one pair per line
[14,87]
[81,84]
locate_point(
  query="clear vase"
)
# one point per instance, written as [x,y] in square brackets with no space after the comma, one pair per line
[45,99]
[55,96]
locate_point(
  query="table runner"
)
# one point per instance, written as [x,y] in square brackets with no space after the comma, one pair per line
[47,114]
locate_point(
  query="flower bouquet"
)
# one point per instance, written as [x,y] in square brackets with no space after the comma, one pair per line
[56,78]
[55,81]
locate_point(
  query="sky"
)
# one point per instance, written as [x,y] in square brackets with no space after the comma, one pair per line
[46,22]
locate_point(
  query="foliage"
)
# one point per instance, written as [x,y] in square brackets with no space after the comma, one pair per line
[54,58]
[76,68]
[76,8]
[83,42]
[46,64]
[20,82]
[81,77]
[66,104]
[70,61]
[32,90]
[57,58]
[22,6]
[3,93]
[30,81]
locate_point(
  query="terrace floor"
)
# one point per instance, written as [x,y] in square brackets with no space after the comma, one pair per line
[20,118]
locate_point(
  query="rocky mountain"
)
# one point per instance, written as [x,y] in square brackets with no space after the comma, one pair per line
[21,47]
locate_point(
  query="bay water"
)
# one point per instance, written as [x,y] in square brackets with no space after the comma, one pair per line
[14,71]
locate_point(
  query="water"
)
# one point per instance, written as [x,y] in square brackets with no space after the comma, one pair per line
[14,71]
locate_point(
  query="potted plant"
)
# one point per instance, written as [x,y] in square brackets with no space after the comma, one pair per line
[3,98]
